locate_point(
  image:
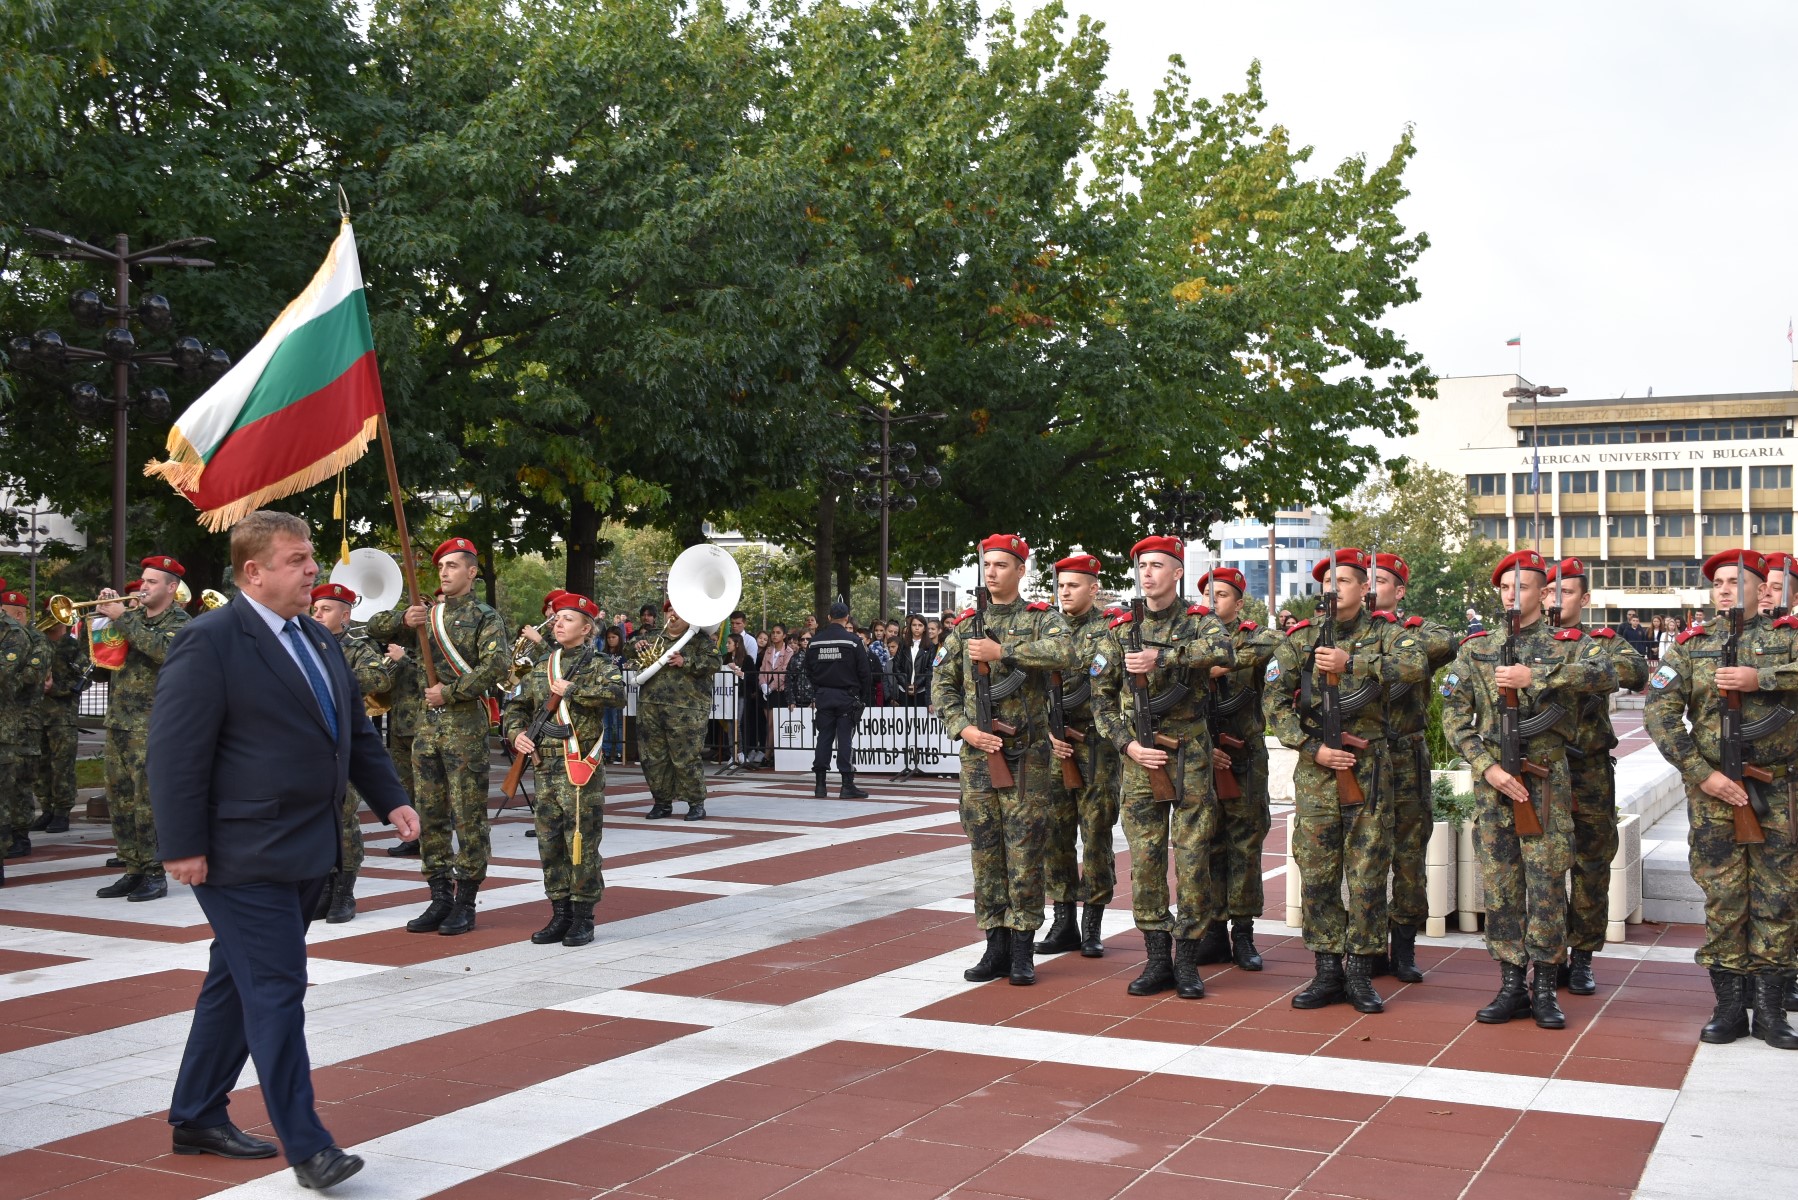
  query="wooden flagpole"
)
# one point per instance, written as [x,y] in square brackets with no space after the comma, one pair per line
[406,561]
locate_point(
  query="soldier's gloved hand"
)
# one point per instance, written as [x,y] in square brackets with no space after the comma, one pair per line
[1060,748]
[1333,760]
[1221,761]
[1147,756]
[1738,679]
[1721,787]
[1507,784]
[1332,660]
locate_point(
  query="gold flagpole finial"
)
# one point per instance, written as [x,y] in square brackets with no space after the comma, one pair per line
[343,203]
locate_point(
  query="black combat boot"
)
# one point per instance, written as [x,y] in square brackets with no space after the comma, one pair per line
[461,918]
[1158,972]
[580,929]
[443,899]
[560,915]
[659,809]
[1213,946]
[1403,956]
[1543,1005]
[849,791]
[115,861]
[1023,970]
[1513,999]
[695,812]
[1730,1019]
[1092,920]
[997,959]
[1063,935]
[1792,991]
[323,908]
[1325,987]
[343,899]
[1357,984]
[122,886]
[20,846]
[819,791]
[1770,1024]
[1187,983]
[404,850]
[1577,974]
[41,825]
[58,824]
[154,887]
[1242,944]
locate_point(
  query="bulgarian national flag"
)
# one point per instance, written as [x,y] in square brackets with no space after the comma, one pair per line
[294,411]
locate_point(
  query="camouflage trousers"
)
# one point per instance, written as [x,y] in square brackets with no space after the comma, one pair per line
[671,741]
[1594,846]
[1525,878]
[1188,825]
[1332,844]
[559,804]
[1236,889]
[128,796]
[1750,892]
[1413,818]
[53,774]
[10,775]
[27,752]
[349,847]
[449,775]
[401,750]
[1007,830]
[1087,813]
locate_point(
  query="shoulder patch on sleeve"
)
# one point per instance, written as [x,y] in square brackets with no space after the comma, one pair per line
[1099,664]
[1197,610]
[1295,627]
[1664,675]
[1448,684]
[1606,632]
[1471,636]
[1251,627]
[1037,606]
[1273,670]
[940,652]
[1413,622]
[1567,635]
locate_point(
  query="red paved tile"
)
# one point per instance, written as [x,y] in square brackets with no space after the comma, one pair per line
[94,1007]
[1268,1165]
[32,1172]
[791,1145]
[1036,1178]
[1286,1130]
[1595,1150]
[140,1183]
[828,860]
[938,1164]
[503,1186]
[23,960]
[594,1163]
[717,1179]
[1395,1142]
[1376,1179]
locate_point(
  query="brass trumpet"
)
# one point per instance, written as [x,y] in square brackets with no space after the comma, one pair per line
[521,657]
[64,611]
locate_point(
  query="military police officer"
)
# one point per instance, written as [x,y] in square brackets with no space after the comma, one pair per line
[843,682]
[672,710]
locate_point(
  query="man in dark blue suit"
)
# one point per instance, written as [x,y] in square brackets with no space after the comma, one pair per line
[257,729]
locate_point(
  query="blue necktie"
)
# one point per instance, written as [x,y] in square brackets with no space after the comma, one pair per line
[320,688]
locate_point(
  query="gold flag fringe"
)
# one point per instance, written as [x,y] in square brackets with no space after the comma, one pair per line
[220,519]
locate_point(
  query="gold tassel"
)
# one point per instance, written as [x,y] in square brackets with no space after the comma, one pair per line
[343,512]
[575,847]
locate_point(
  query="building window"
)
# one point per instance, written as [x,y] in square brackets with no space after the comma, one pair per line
[1520,483]
[1673,525]
[1491,528]
[1579,527]
[1770,523]
[1486,485]
[1721,479]
[1748,429]
[1628,526]
[1673,479]
[1762,478]
[1726,525]
[1579,482]
[1526,529]
[1623,481]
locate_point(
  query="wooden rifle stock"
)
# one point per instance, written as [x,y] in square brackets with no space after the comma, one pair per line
[1748,825]
[1523,812]
[1070,770]
[997,769]
[1161,784]
[1223,781]
[1058,726]
[1348,788]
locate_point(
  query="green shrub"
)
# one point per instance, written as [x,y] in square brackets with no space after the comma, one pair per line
[1446,804]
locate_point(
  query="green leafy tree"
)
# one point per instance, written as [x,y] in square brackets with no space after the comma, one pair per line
[1424,515]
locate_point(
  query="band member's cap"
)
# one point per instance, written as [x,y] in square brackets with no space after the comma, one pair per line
[562,601]
[15,599]
[1159,544]
[2,585]
[1751,560]
[334,591]
[456,545]
[1567,568]
[1011,543]
[550,598]
[1529,560]
[133,586]
[1229,575]
[1348,556]
[1393,565]
[163,562]
[1084,564]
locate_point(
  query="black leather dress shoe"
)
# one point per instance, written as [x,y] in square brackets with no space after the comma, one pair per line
[326,1169]
[226,1141]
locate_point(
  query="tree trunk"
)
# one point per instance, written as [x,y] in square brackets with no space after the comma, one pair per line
[845,576]
[823,552]
[583,546]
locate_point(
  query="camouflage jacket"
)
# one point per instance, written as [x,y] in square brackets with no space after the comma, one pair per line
[406,699]
[596,685]
[1685,685]
[1238,701]
[133,685]
[22,670]
[1408,705]
[479,636]
[36,700]
[1035,640]
[1595,734]
[69,673]
[688,686]
[1564,665]
[1088,633]
[1191,641]
[373,670]
[1382,655]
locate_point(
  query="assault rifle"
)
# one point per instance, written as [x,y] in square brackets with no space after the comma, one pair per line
[1510,732]
[1058,725]
[515,776]
[1730,741]
[1160,785]
[1329,702]
[1223,781]
[997,769]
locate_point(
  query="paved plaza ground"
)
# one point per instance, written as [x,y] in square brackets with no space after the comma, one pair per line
[774,1007]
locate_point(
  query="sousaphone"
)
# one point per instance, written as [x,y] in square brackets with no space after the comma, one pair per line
[704,586]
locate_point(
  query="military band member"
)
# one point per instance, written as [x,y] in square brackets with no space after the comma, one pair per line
[25,727]
[55,782]
[1525,877]
[1749,909]
[21,669]
[672,710]
[471,654]
[1238,746]
[405,713]
[1333,841]
[1413,807]
[1180,645]
[1594,776]
[1090,810]
[1006,826]
[570,747]
[148,627]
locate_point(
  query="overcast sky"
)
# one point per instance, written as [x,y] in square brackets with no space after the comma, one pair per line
[1614,181]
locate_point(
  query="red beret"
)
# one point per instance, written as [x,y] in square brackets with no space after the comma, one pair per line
[162,562]
[550,598]
[565,601]
[1348,556]
[1779,560]
[667,606]
[1229,575]
[1159,544]
[1751,560]
[133,586]
[15,599]
[1392,564]
[456,545]
[1567,568]
[2,585]
[1011,543]
[1529,560]
[334,591]
[1084,564]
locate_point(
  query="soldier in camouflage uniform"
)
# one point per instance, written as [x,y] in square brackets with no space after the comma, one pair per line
[471,654]
[1524,876]
[1776,602]
[26,727]
[1372,655]
[1180,645]
[331,604]
[149,627]
[1092,809]
[21,669]
[1235,714]
[1407,745]
[587,683]
[672,710]
[1007,827]
[55,782]
[1593,771]
[1749,907]
[405,713]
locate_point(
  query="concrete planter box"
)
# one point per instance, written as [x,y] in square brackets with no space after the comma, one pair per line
[1470,891]
[1439,873]
[1626,881]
